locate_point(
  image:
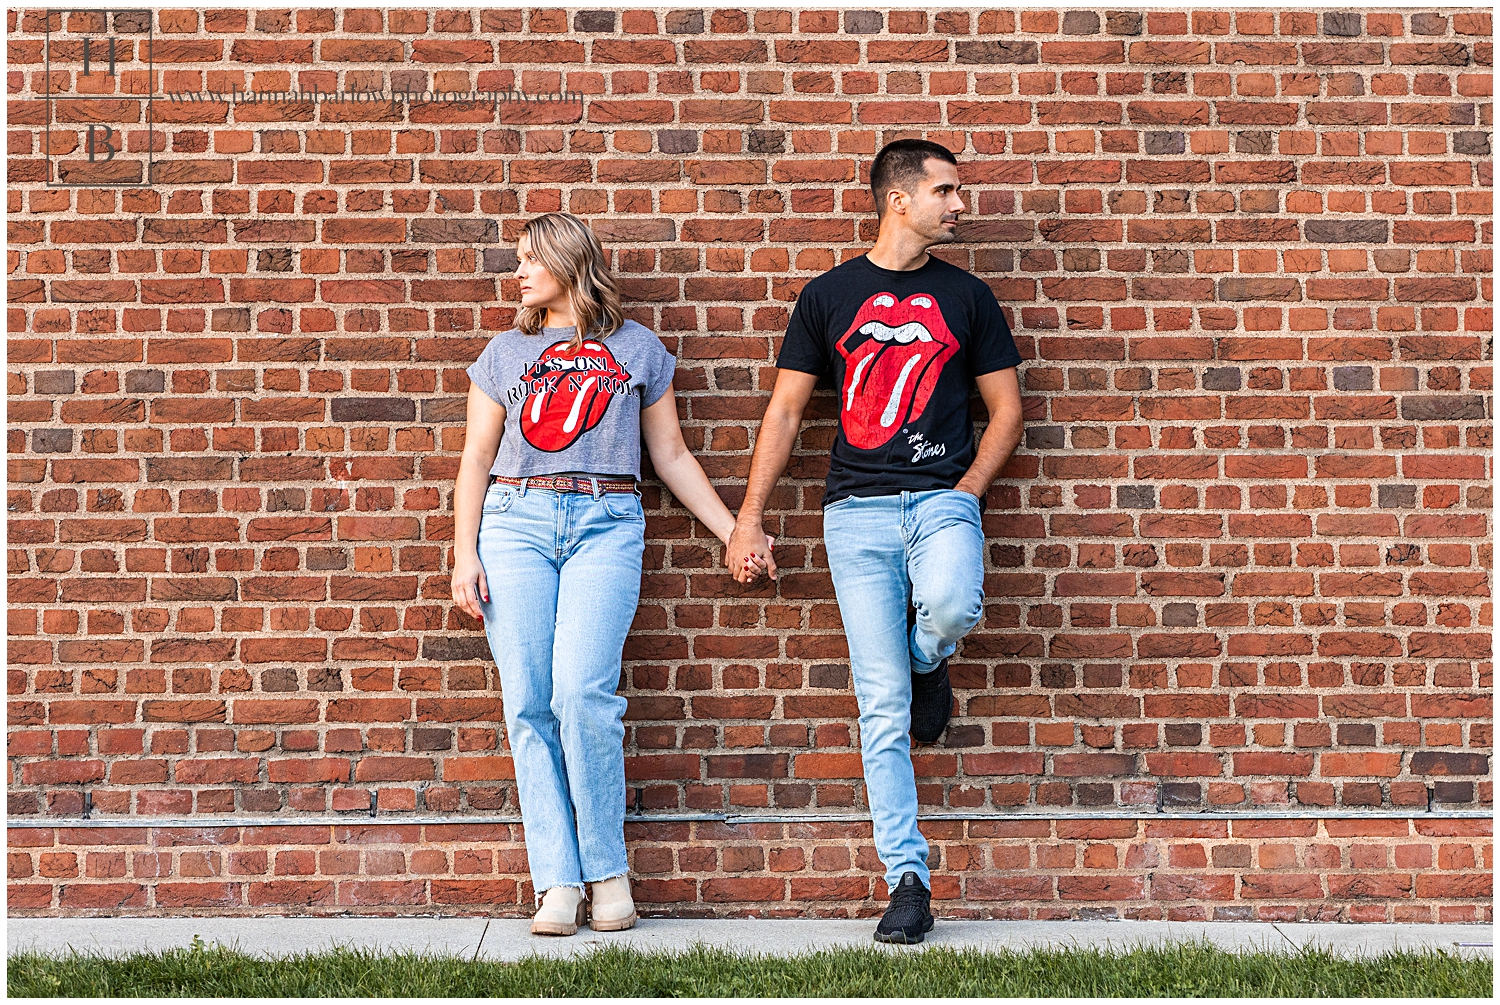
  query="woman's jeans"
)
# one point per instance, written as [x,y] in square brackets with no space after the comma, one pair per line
[564,575]
[881,549]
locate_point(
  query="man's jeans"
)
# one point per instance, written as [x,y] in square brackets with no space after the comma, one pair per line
[564,574]
[928,545]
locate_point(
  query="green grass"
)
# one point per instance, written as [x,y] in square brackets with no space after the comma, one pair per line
[1183,970]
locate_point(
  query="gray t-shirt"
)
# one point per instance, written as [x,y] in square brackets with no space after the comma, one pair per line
[573,412]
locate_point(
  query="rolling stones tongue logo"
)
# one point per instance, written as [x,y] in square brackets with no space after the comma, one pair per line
[569,394]
[893,353]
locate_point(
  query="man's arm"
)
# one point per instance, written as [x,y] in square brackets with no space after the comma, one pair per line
[1001,391]
[773,448]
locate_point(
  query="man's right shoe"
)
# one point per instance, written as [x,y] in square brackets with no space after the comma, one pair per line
[909,915]
[931,703]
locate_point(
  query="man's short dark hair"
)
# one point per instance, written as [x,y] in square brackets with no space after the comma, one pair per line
[901,164]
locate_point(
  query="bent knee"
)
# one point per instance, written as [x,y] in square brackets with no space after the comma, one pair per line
[951,618]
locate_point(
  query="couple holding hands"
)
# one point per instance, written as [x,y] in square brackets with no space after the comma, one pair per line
[549,530]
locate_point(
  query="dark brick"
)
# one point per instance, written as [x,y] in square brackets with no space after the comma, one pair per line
[991,53]
[52,441]
[1135,496]
[1347,231]
[1353,378]
[1346,24]
[1179,616]
[1397,496]
[500,259]
[1253,141]
[1448,762]
[1422,407]
[1059,675]
[832,675]
[1095,793]
[765,141]
[1045,437]
[966,735]
[862,22]
[677,141]
[452,649]
[145,381]
[1429,24]
[1165,143]
[684,22]
[54,381]
[1118,22]
[1223,378]
[1183,734]
[1472,143]
[431,739]
[594,20]
[1080,22]
[1453,792]
[392,409]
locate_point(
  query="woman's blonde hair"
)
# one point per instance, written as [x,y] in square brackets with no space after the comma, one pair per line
[571,253]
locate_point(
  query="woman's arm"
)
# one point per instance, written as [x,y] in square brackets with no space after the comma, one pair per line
[482,431]
[681,472]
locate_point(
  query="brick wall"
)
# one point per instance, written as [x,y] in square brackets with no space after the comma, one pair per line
[1239,564]
[1420,870]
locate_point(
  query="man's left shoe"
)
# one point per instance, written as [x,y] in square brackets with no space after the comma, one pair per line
[931,703]
[909,915]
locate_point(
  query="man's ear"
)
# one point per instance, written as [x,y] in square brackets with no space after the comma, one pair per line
[896,201]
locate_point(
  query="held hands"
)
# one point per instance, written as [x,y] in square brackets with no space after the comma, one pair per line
[748,553]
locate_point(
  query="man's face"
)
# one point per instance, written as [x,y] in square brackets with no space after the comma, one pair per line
[933,205]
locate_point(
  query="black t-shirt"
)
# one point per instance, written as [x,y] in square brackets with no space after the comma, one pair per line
[904,349]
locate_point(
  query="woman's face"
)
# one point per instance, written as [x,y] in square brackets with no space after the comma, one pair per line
[538,287]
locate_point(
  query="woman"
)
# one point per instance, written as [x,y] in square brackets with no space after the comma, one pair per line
[548,540]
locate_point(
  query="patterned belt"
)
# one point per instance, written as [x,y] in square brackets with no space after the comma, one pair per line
[567,483]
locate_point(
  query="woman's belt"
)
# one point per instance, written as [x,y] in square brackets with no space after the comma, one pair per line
[567,483]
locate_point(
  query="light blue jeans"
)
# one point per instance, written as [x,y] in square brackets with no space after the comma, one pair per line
[564,575]
[928,546]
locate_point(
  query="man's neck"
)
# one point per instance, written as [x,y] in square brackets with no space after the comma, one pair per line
[898,250]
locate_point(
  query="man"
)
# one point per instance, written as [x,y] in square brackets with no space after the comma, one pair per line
[906,338]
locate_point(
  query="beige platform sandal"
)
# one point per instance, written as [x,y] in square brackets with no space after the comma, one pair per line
[613,909]
[561,913]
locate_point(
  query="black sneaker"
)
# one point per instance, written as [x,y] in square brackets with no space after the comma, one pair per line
[931,703]
[909,915]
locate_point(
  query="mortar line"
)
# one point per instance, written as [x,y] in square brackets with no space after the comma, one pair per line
[735,819]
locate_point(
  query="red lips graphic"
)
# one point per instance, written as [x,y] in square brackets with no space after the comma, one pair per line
[569,394]
[891,373]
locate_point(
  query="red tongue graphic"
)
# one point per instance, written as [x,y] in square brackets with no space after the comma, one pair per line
[888,381]
[570,392]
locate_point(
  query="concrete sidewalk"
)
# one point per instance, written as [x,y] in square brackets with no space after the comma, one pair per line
[510,938]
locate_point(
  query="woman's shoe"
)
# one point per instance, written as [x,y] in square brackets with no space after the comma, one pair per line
[561,913]
[613,909]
